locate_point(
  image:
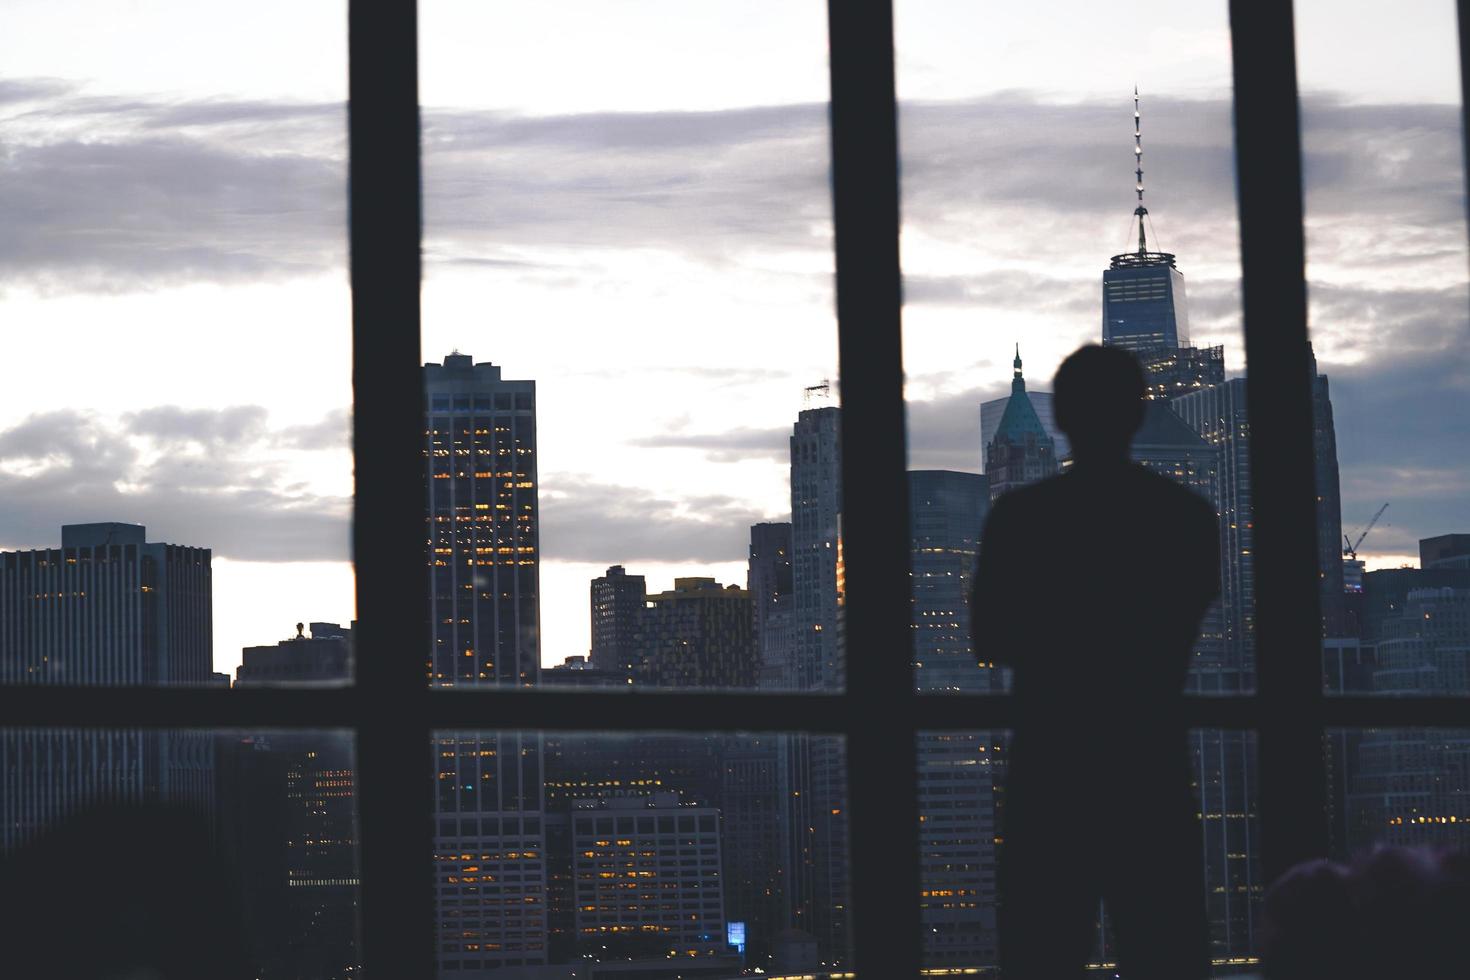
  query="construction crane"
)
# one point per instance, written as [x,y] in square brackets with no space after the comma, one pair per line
[1350,548]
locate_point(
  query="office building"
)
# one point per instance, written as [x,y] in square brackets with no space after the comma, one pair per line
[575,671]
[753,840]
[1144,302]
[769,581]
[958,770]
[583,767]
[482,524]
[813,770]
[1172,371]
[617,621]
[324,657]
[106,608]
[1021,451]
[947,511]
[648,878]
[1329,508]
[1218,415]
[816,506]
[1445,551]
[1408,786]
[698,634]
[287,815]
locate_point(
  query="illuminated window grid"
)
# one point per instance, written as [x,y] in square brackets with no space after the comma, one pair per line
[393,713]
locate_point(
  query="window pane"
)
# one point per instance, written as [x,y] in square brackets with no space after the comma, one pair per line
[1030,229]
[175,472]
[1405,787]
[628,324]
[1081,818]
[220,848]
[1387,265]
[714,853]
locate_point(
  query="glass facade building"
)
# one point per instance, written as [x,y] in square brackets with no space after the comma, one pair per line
[482,531]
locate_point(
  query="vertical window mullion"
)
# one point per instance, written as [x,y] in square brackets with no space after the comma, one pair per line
[1462,9]
[394,801]
[1272,253]
[882,781]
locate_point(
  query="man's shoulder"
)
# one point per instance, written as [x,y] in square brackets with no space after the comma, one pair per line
[1022,502]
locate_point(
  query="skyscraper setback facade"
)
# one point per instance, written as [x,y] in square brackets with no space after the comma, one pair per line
[482,519]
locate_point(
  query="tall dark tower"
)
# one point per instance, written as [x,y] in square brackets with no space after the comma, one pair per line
[482,519]
[957,770]
[1143,293]
[814,767]
[617,621]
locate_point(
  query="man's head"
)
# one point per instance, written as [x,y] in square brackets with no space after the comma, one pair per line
[1098,399]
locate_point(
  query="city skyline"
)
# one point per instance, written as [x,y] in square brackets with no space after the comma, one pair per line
[238,441]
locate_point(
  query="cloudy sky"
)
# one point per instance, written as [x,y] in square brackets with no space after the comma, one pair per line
[629,203]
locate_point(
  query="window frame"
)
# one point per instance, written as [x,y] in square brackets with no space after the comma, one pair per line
[393,712]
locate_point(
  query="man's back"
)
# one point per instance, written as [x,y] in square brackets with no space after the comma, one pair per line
[1091,586]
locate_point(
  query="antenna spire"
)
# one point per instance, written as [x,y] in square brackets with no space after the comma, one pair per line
[1139,211]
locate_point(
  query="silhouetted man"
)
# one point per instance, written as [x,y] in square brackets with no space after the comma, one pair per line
[1091,586]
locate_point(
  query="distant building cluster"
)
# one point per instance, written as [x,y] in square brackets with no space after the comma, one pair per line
[714,853]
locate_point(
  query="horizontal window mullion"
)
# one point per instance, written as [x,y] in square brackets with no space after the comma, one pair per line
[500,708]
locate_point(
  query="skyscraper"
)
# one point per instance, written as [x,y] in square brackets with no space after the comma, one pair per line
[816,505]
[671,903]
[1022,451]
[617,621]
[106,608]
[768,579]
[957,770]
[947,509]
[288,815]
[1329,507]
[482,522]
[1143,292]
[1172,371]
[698,634]
[813,771]
[1218,415]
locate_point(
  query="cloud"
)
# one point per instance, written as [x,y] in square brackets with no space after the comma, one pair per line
[333,431]
[730,446]
[198,477]
[1001,287]
[1403,435]
[944,432]
[122,192]
[583,519]
[114,192]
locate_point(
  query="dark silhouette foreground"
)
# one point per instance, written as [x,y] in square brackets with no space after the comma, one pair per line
[121,892]
[1091,586]
[1394,913]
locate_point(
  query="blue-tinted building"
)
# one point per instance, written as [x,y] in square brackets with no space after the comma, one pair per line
[1022,451]
[1144,302]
